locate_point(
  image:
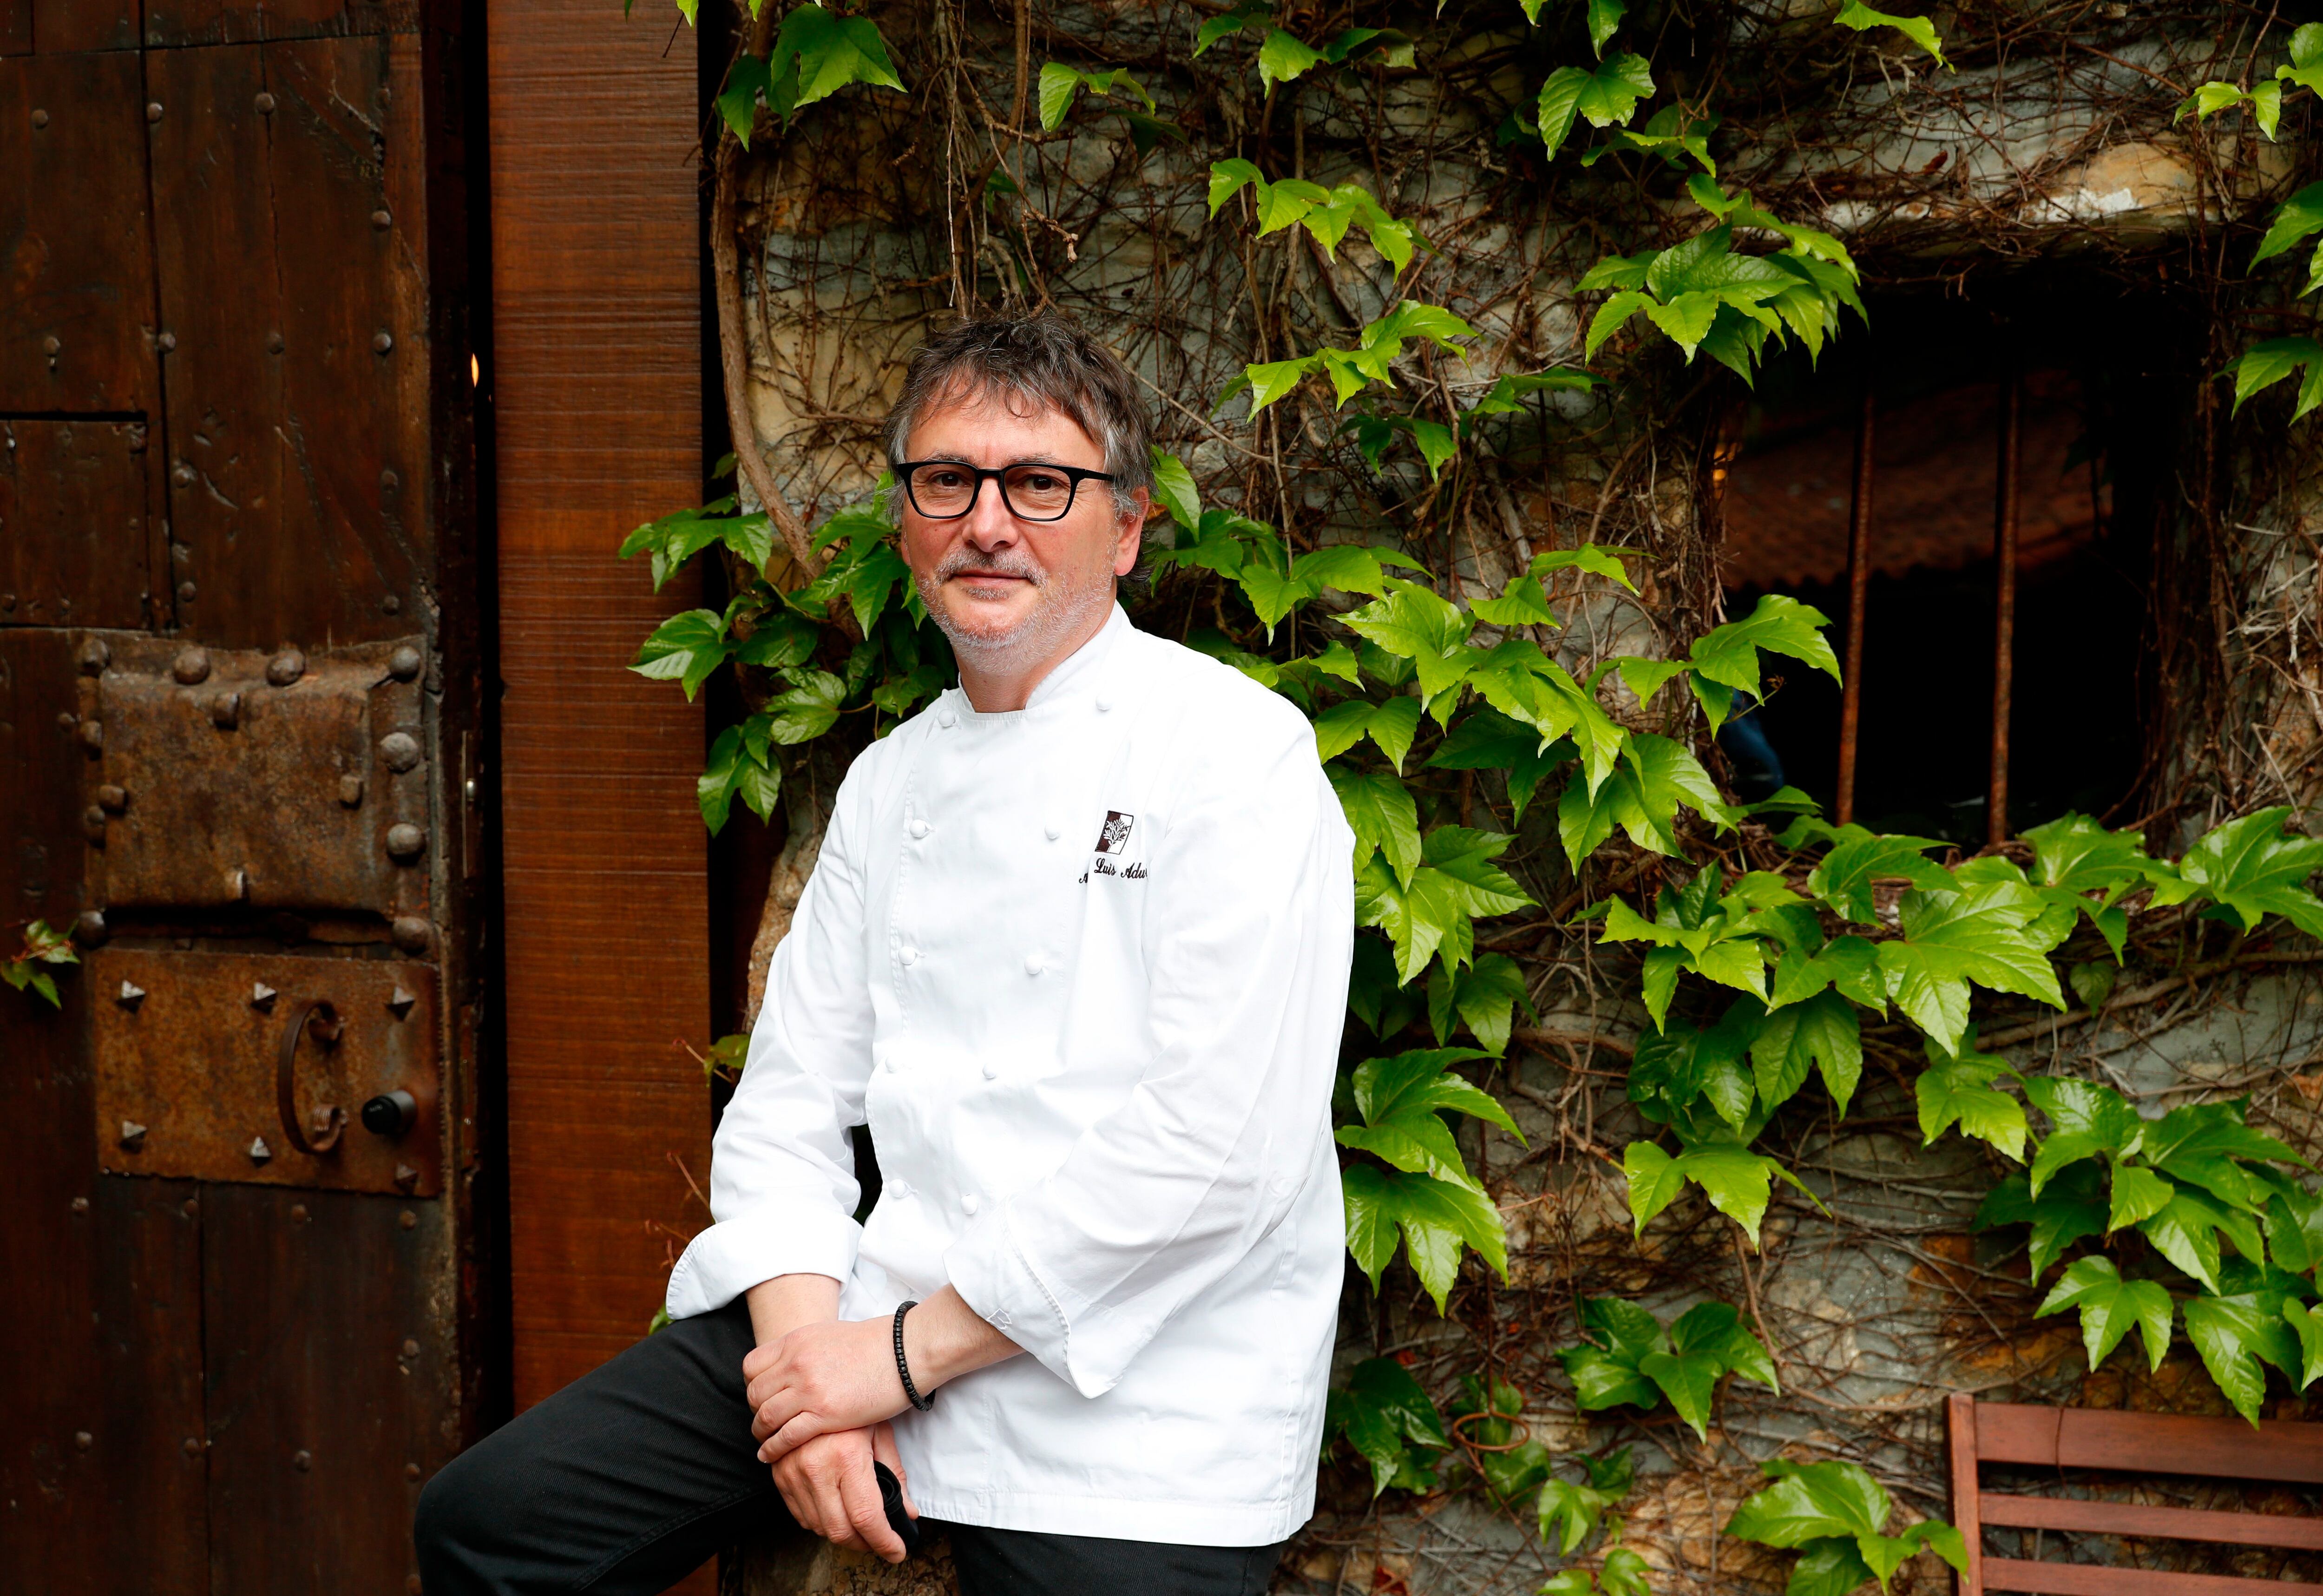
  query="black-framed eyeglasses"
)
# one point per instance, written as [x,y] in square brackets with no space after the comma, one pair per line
[945,490]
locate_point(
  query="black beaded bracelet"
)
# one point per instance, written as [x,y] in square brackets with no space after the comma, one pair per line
[910,1390]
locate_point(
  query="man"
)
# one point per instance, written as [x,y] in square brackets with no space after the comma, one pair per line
[1076,950]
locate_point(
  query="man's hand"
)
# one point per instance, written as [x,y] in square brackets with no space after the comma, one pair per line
[838,1375]
[827,1484]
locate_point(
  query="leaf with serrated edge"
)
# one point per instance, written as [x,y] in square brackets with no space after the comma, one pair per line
[2111,1308]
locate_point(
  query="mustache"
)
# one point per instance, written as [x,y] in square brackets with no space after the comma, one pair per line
[968,562]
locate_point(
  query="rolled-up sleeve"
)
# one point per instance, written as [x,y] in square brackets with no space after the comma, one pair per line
[1248,931]
[782,1168]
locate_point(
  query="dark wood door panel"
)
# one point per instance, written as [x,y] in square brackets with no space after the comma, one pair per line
[54,25]
[104,1327]
[75,248]
[232,21]
[75,541]
[293,311]
[332,1385]
[45,860]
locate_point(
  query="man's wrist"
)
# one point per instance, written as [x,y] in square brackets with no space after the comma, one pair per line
[944,1338]
[781,1304]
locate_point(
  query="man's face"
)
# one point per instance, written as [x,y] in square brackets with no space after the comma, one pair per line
[1004,587]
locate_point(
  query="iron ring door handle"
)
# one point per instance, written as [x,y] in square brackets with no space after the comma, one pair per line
[331,1121]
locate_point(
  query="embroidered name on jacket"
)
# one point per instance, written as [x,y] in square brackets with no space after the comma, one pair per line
[1112,839]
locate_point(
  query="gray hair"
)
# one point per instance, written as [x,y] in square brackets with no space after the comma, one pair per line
[1043,361]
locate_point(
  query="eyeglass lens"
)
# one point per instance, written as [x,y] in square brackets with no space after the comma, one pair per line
[1036,492]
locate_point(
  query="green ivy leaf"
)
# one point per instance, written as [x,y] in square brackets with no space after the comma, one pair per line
[808,710]
[1642,796]
[1381,812]
[818,52]
[2249,866]
[1436,1218]
[2307,1324]
[1954,938]
[1604,96]
[1605,17]
[1402,1100]
[1957,1090]
[1382,1412]
[2235,1336]
[2090,1119]
[2270,360]
[1593,558]
[2186,1229]
[1736,1180]
[1485,996]
[1486,739]
[685,648]
[1822,1030]
[2072,1208]
[1730,655]
[1174,490]
[2110,1306]
[1919,30]
[1284,57]
[2302,215]
[1844,878]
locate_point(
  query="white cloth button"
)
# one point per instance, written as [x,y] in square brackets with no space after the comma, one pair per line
[919,827]
[969,1204]
[947,720]
[892,1064]
[908,954]
[1033,964]
[902,1190]
[1104,705]
[992,1072]
[1053,830]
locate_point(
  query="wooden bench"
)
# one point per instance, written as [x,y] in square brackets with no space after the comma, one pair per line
[2135,1444]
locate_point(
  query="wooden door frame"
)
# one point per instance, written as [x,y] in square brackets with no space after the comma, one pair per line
[597,389]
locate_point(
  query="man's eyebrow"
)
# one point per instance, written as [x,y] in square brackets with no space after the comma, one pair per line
[959,459]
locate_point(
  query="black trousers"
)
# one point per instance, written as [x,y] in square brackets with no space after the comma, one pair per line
[627,1480]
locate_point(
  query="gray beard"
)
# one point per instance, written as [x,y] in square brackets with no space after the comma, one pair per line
[1065,607]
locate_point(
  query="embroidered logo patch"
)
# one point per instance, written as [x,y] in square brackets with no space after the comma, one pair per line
[1114,837]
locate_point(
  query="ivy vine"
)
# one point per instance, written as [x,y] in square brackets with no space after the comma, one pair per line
[1493,791]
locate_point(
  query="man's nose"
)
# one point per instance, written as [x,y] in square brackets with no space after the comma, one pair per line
[990,524]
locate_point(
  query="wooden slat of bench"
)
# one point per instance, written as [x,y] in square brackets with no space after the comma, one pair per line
[2149,1442]
[2185,1524]
[2090,1579]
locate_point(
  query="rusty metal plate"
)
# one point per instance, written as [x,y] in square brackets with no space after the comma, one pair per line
[220,778]
[72,523]
[189,1049]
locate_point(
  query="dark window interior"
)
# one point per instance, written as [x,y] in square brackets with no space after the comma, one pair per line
[2099,416]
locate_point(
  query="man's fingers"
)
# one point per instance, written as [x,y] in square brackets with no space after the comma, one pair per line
[867,1515]
[773,1414]
[792,1434]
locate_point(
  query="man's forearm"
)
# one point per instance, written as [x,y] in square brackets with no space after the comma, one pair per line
[780,1305]
[944,1338]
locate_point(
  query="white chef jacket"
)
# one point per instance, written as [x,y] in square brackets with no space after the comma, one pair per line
[1083,968]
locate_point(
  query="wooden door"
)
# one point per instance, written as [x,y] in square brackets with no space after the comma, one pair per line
[240,757]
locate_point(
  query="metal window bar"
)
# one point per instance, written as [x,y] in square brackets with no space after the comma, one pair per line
[2004,646]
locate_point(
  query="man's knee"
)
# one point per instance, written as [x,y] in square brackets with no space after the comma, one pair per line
[458,1511]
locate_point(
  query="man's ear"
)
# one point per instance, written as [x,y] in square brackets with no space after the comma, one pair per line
[1131,537]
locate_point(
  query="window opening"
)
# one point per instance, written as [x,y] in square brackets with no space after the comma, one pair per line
[1977,474]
